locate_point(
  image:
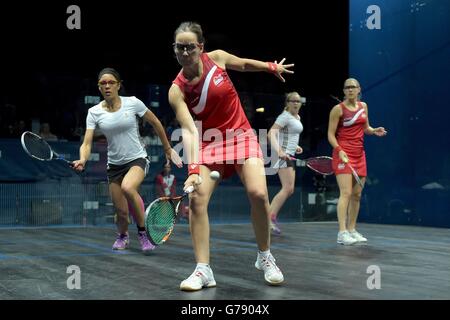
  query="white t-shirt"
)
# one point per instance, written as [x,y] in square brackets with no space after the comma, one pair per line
[289,134]
[121,129]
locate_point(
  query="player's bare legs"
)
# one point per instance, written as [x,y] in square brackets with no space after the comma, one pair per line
[120,205]
[130,186]
[199,226]
[198,216]
[345,183]
[287,179]
[353,211]
[253,177]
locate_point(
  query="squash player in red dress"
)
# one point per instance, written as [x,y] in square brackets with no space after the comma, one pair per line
[348,123]
[203,90]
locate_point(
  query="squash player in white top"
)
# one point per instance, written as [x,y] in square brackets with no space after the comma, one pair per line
[284,136]
[116,118]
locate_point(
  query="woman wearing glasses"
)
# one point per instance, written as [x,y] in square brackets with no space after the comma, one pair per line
[348,122]
[283,137]
[204,91]
[116,117]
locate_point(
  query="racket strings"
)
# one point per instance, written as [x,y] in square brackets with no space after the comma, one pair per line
[37,147]
[161,220]
[321,165]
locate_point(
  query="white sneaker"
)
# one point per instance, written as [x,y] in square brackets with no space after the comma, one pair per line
[272,274]
[200,278]
[357,236]
[345,238]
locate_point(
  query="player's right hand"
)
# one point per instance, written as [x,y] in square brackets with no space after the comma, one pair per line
[284,156]
[78,165]
[343,156]
[192,180]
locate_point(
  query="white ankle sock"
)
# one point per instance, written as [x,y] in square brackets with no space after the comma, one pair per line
[264,254]
[203,266]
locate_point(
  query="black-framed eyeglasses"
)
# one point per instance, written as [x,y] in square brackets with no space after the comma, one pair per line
[350,87]
[182,47]
[110,82]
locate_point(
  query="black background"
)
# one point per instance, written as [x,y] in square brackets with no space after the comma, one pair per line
[46,67]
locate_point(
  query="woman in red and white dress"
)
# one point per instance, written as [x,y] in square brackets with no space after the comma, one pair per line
[349,121]
[165,182]
[204,91]
[166,186]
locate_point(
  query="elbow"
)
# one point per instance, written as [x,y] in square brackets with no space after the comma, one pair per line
[153,121]
[269,135]
[329,137]
[190,130]
[272,134]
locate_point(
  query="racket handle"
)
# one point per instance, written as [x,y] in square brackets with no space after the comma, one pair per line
[189,189]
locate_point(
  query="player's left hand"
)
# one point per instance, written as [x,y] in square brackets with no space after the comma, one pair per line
[174,157]
[380,132]
[283,68]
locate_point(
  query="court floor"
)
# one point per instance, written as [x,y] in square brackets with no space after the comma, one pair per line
[405,262]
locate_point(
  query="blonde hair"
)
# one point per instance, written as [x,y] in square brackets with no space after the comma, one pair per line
[289,96]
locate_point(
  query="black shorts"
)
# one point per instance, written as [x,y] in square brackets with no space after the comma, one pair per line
[117,172]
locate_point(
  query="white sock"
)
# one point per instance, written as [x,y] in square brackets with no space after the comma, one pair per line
[203,266]
[264,254]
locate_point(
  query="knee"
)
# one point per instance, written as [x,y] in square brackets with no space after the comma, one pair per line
[346,194]
[197,203]
[356,196]
[289,191]
[127,189]
[257,195]
[122,213]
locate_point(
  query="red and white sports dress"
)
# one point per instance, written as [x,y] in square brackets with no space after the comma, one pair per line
[350,136]
[226,136]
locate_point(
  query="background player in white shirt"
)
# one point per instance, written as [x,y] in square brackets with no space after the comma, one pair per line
[284,136]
